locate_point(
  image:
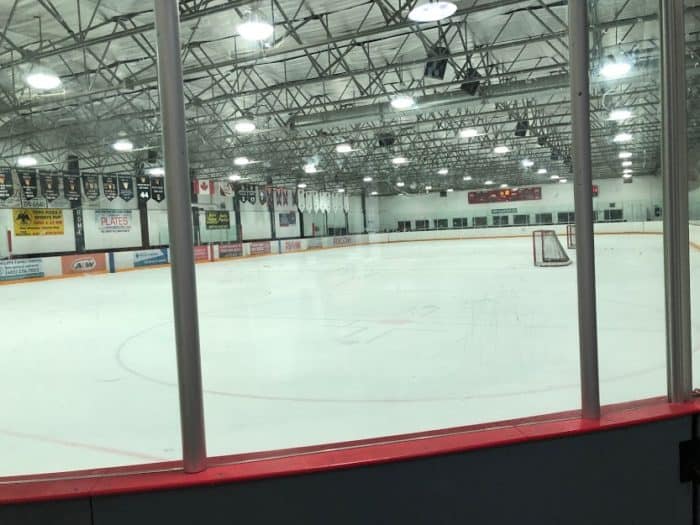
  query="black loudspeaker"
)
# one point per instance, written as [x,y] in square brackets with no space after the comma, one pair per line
[471,84]
[657,211]
[437,63]
[72,164]
[521,128]
[443,194]
[385,139]
[542,140]
[152,156]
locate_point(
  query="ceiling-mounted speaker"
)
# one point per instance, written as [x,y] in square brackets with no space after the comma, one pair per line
[521,128]
[554,156]
[152,156]
[542,140]
[72,164]
[385,140]
[472,82]
[437,63]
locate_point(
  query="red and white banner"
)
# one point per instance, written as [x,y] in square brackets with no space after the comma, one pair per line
[203,187]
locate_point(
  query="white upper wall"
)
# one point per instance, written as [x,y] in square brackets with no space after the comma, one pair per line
[637,200]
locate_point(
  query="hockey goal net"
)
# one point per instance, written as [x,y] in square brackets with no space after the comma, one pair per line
[547,250]
[571,236]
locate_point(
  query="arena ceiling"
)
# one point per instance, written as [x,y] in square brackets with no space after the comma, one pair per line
[326,77]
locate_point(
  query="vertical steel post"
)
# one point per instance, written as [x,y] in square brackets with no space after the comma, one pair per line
[172,111]
[674,166]
[583,206]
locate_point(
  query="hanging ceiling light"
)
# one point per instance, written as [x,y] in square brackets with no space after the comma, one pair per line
[626,163]
[26,161]
[343,148]
[468,133]
[450,190]
[554,177]
[467,178]
[123,146]
[235,177]
[504,185]
[619,115]
[615,69]
[626,175]
[622,137]
[310,169]
[428,187]
[432,11]
[400,184]
[500,150]
[367,179]
[402,102]
[488,182]
[374,193]
[563,181]
[42,78]
[301,185]
[625,155]
[254,27]
[542,171]
[244,126]
[341,190]
[443,171]
[156,172]
[527,163]
[397,161]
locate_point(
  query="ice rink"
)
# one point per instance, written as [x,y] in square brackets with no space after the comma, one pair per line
[318,347]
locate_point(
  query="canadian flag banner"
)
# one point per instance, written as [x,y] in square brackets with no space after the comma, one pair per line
[203,187]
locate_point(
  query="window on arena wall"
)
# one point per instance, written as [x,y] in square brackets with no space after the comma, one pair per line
[480,222]
[422,224]
[566,217]
[521,220]
[543,218]
[441,224]
[87,371]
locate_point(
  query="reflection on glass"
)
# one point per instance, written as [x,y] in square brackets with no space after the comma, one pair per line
[78,207]
[625,130]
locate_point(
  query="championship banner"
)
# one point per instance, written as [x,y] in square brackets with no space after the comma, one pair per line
[143,187]
[227,189]
[27,180]
[346,202]
[262,195]
[109,187]
[337,201]
[301,200]
[158,189]
[91,186]
[113,221]
[317,201]
[30,222]
[71,187]
[217,220]
[6,186]
[126,187]
[88,263]
[49,186]
[248,193]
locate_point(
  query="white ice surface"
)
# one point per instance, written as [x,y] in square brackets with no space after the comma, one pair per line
[318,347]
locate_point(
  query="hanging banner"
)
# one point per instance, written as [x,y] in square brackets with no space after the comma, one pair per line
[30,222]
[27,180]
[71,187]
[109,187]
[217,220]
[317,201]
[91,186]
[346,202]
[49,186]
[227,189]
[301,200]
[158,189]
[247,193]
[113,221]
[143,187]
[6,186]
[262,195]
[126,187]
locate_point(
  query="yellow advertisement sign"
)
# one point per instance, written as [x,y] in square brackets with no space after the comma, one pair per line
[38,222]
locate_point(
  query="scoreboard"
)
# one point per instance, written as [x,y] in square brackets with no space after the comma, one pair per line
[505,195]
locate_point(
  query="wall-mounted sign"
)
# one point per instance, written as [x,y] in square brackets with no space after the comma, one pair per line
[113,221]
[217,220]
[505,195]
[31,221]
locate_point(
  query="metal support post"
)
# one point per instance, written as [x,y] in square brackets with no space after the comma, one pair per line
[583,207]
[172,111]
[674,166]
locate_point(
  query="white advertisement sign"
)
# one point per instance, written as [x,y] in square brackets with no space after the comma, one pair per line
[113,221]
